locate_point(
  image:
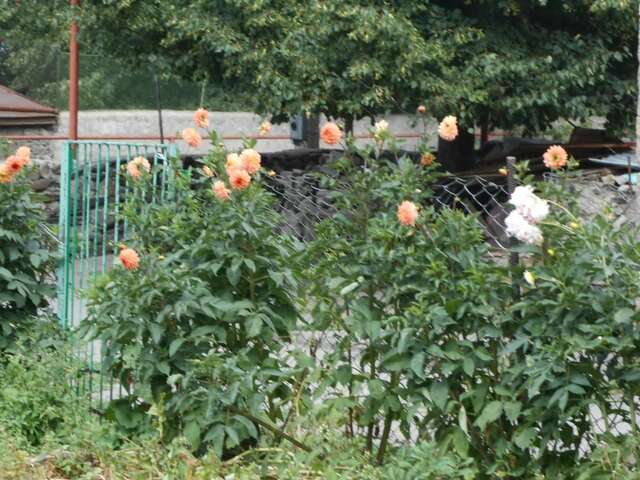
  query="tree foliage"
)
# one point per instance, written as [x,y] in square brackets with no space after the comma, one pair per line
[507,63]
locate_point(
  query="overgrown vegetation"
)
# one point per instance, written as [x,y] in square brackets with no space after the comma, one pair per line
[445,362]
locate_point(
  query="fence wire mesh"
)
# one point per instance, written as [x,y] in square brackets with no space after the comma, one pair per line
[91,226]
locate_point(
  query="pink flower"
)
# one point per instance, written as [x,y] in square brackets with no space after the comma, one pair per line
[134,166]
[555,157]
[24,153]
[221,191]
[448,128]
[239,179]
[201,118]
[330,133]
[129,259]
[407,213]
[250,160]
[192,137]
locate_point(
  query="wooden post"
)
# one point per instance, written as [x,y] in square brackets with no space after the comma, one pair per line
[73,73]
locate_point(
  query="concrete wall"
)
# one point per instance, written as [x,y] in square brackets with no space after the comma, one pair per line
[140,123]
[47,154]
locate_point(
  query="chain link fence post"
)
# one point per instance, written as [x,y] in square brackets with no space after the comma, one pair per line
[514,257]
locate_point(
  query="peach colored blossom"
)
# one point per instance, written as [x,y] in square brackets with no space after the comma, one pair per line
[421,109]
[24,153]
[250,160]
[14,164]
[427,159]
[129,259]
[265,127]
[207,171]
[5,175]
[192,137]
[201,118]
[555,157]
[221,191]
[330,133]
[134,166]
[448,128]
[407,213]
[239,179]
[233,163]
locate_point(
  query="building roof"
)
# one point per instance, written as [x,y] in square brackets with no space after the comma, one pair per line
[18,110]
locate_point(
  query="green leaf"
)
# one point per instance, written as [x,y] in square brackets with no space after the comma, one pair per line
[490,413]
[440,394]
[349,288]
[192,433]
[462,419]
[417,364]
[175,345]
[469,366]
[156,332]
[460,442]
[523,438]
[623,315]
[512,410]
[254,326]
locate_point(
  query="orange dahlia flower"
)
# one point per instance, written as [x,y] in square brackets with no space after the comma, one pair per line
[555,157]
[407,213]
[192,137]
[129,259]
[448,128]
[24,153]
[265,127]
[201,118]
[221,191]
[251,160]
[5,175]
[233,163]
[14,164]
[134,166]
[427,159]
[330,133]
[239,179]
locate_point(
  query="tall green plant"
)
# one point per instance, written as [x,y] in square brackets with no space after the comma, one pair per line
[197,324]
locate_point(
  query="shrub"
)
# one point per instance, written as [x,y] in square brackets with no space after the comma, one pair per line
[195,327]
[366,269]
[26,259]
[501,368]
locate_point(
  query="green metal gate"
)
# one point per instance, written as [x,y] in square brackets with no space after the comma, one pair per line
[93,188]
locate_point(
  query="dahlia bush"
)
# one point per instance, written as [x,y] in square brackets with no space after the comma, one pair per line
[26,258]
[520,371]
[196,318]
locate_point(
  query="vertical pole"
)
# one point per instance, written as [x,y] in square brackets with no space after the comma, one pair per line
[73,73]
[511,186]
[159,106]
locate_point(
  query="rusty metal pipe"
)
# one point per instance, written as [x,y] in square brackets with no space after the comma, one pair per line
[73,73]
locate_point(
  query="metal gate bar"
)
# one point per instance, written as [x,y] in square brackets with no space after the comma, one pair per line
[93,187]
